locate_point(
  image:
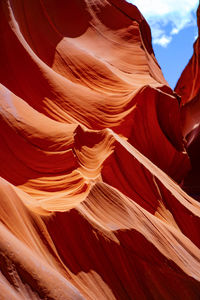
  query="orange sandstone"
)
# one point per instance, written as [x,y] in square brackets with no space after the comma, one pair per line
[92,158]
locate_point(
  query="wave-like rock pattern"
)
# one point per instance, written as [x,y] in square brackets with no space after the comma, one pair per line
[92,158]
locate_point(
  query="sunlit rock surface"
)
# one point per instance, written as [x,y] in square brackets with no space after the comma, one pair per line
[92,157]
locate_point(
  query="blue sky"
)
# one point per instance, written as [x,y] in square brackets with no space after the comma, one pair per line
[174,29]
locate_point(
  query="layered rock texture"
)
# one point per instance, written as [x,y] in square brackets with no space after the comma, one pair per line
[94,157]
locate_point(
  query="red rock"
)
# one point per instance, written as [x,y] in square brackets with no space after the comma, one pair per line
[188,87]
[92,156]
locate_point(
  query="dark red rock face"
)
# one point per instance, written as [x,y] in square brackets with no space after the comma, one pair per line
[188,87]
[93,154]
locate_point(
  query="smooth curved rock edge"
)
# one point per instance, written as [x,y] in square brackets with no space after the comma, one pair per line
[93,154]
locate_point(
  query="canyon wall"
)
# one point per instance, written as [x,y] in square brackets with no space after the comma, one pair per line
[93,156]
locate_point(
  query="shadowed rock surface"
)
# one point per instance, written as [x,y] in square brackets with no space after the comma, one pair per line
[94,151]
[188,87]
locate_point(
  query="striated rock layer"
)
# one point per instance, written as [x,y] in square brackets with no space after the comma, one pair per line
[92,158]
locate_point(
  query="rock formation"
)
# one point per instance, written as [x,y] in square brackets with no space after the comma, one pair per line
[93,157]
[188,87]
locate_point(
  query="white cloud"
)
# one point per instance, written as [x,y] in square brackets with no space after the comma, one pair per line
[167,17]
[163,40]
[196,36]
